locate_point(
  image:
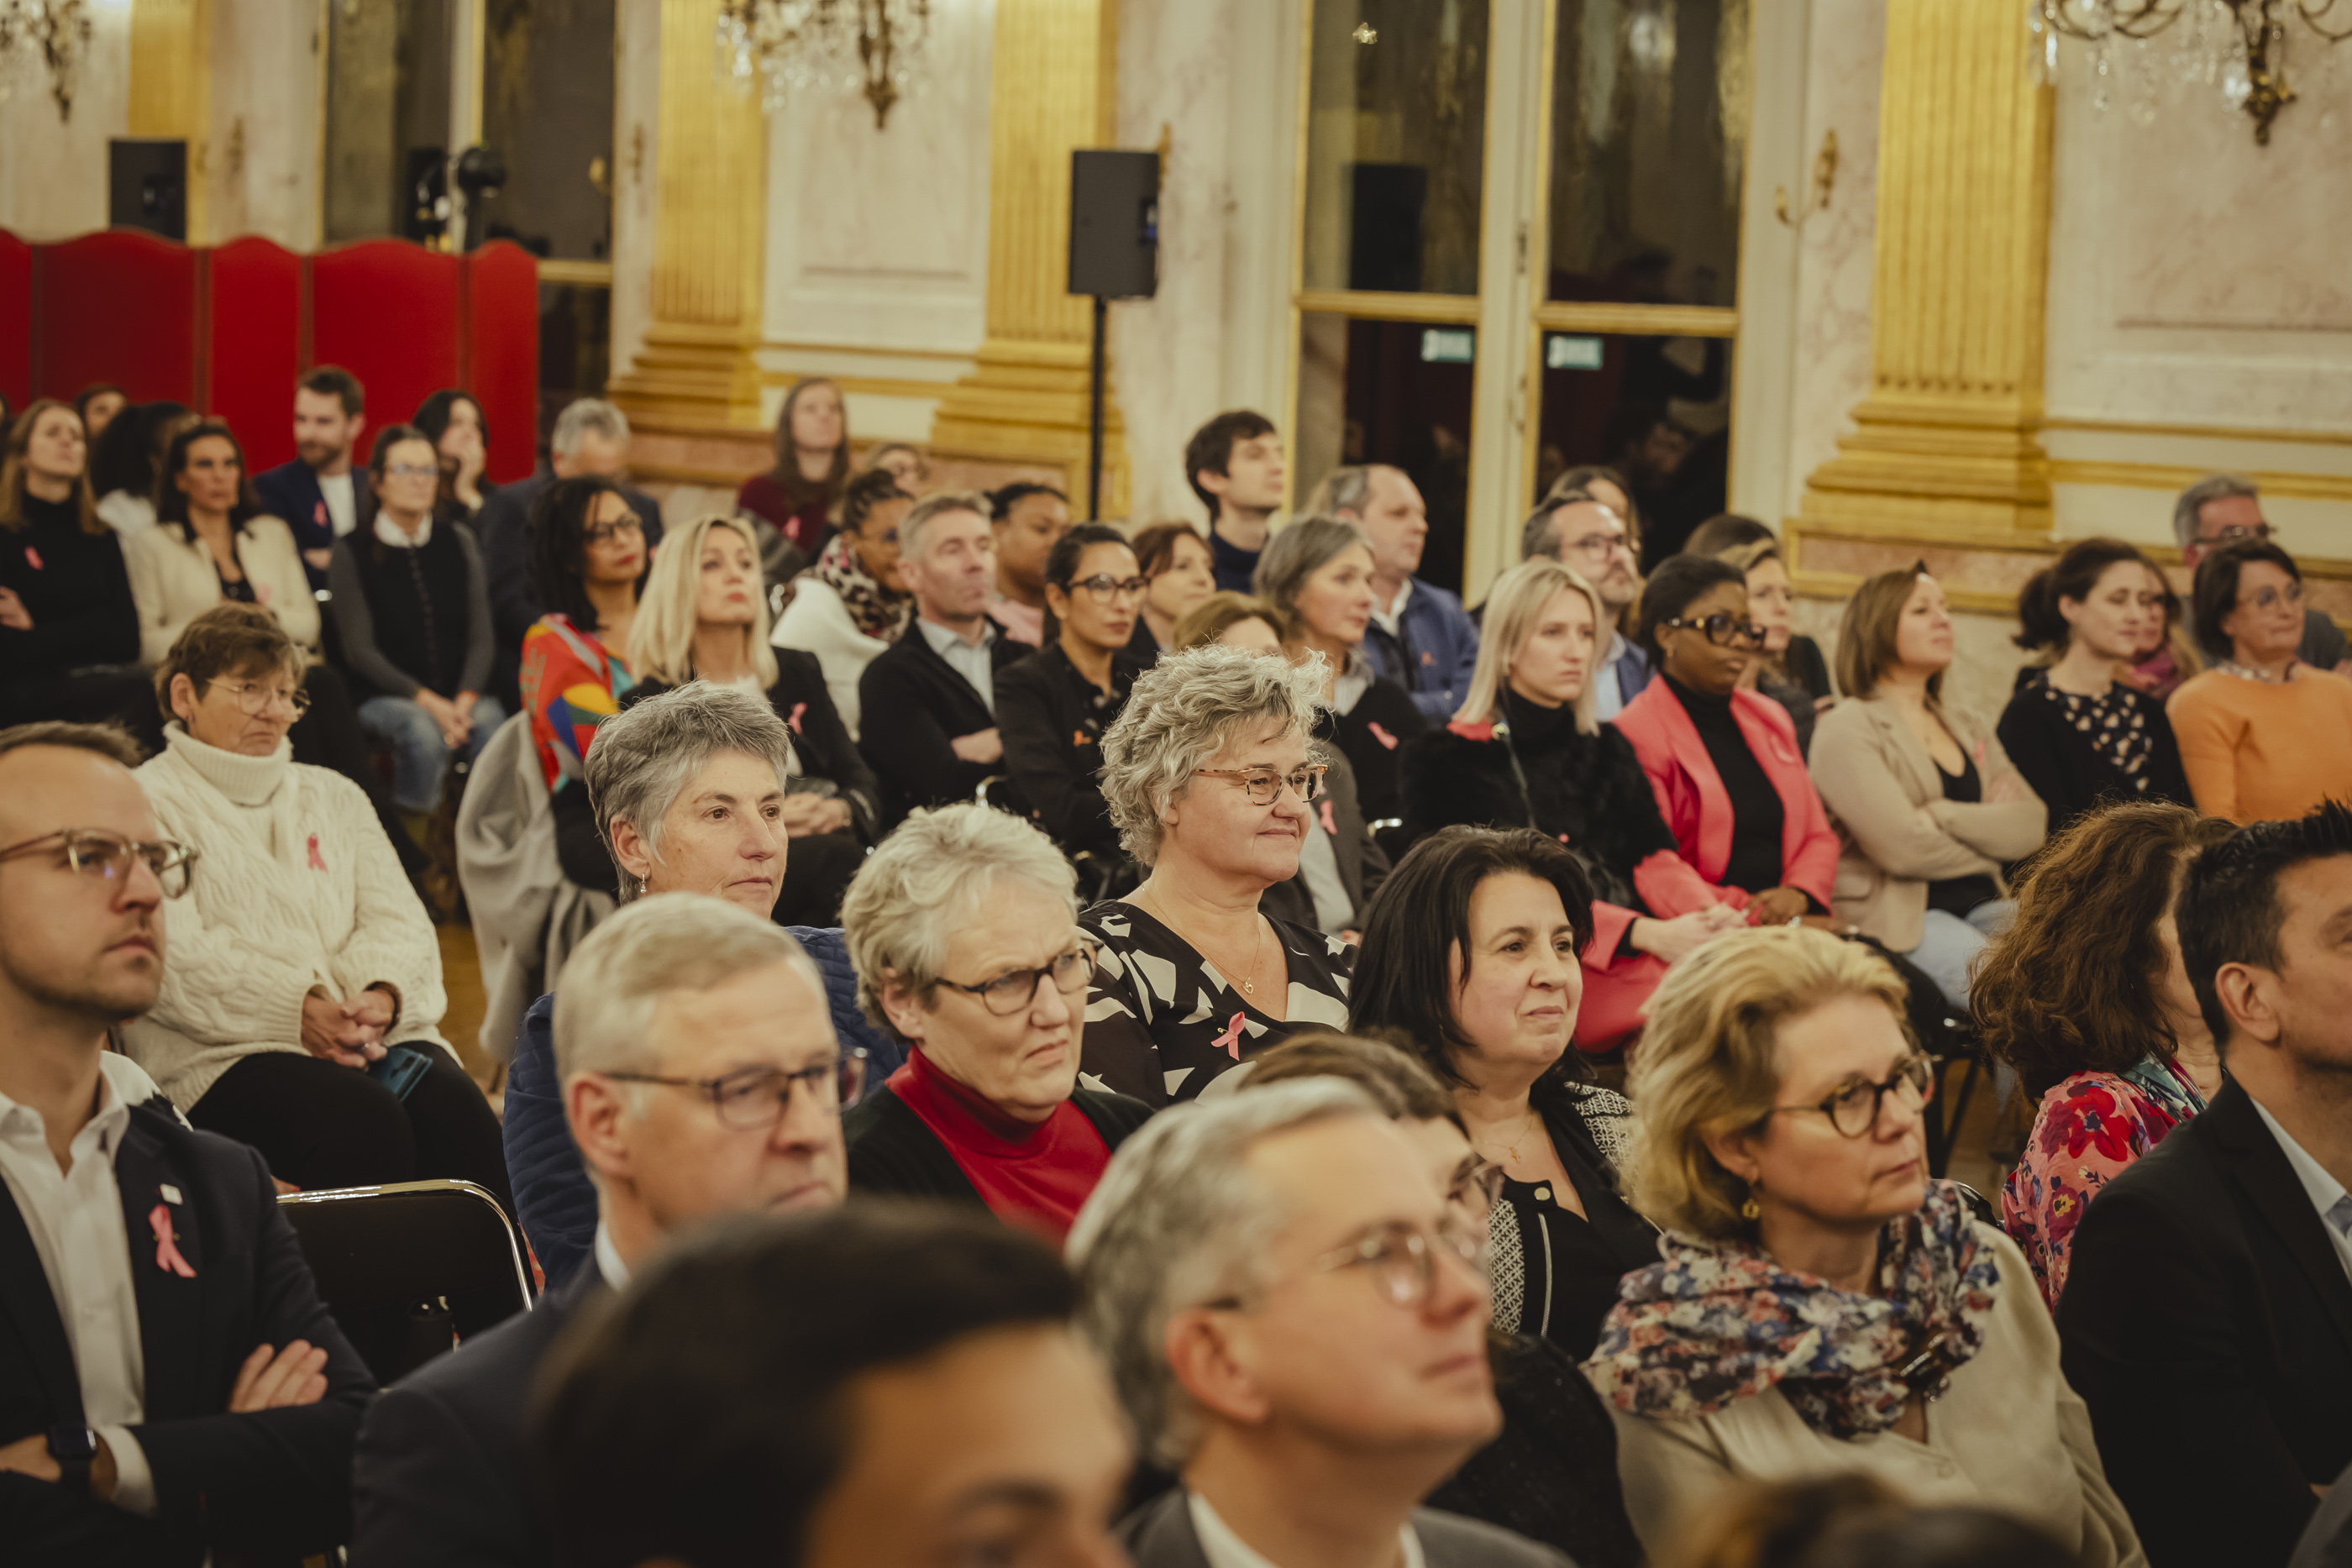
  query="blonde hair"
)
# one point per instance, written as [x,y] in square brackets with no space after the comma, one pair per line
[661,640]
[1513,607]
[1709,1062]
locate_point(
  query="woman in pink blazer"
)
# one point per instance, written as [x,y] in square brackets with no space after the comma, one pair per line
[1730,781]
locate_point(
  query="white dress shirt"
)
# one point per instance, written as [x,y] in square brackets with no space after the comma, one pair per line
[1392,619]
[2327,1194]
[342,502]
[967,657]
[1607,697]
[75,1219]
[608,1259]
[1224,1549]
[398,537]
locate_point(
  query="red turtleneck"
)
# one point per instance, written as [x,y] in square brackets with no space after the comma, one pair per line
[1032,1173]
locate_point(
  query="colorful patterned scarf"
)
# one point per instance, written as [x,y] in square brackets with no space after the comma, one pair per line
[873,609]
[1715,1324]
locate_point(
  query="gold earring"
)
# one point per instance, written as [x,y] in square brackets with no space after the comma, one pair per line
[1751,1210]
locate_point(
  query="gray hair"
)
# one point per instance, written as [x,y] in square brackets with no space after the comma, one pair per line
[672,942]
[1298,553]
[586,415]
[1177,1221]
[1539,535]
[1184,711]
[2189,510]
[1347,489]
[644,757]
[933,874]
[918,518]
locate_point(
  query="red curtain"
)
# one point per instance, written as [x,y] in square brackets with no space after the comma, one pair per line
[17,310]
[120,306]
[253,346]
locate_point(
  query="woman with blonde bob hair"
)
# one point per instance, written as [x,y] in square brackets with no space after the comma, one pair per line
[1525,751]
[703,616]
[1823,1306]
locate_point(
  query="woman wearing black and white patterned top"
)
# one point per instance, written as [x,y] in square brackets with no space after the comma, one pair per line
[2078,734]
[1209,777]
[1472,963]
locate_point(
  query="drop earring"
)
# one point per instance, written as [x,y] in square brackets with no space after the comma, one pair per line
[1751,1210]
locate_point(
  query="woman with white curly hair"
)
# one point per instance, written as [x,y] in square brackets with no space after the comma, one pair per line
[1210,774]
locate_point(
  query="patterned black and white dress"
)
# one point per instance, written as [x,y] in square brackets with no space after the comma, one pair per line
[1554,1273]
[1163,1022]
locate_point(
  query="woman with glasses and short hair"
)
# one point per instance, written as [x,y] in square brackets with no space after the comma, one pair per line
[1209,774]
[1053,707]
[301,1009]
[1823,1306]
[963,930]
[2264,737]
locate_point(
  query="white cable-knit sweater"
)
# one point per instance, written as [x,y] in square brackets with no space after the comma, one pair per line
[296,890]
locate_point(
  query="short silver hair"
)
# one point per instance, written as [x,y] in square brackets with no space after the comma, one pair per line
[1297,553]
[672,942]
[586,415]
[1177,1221]
[2189,510]
[939,504]
[933,875]
[643,758]
[1184,711]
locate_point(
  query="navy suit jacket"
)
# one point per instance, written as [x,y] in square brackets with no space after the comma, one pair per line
[272,1481]
[291,492]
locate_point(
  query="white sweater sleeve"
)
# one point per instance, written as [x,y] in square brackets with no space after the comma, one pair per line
[392,939]
[225,982]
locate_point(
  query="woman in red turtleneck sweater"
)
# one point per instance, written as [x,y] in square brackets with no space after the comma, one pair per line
[963,930]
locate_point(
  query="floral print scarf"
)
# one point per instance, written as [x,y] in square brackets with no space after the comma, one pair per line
[1716,1323]
[872,609]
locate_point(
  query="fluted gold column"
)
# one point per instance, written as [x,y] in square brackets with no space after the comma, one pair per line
[1050,91]
[171,89]
[1948,442]
[697,367]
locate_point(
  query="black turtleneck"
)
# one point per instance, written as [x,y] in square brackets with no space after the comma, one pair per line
[76,587]
[1757,813]
[1534,725]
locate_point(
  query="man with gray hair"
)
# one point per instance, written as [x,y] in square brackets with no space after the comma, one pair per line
[1420,636]
[1296,1319]
[2225,509]
[592,437]
[1584,534]
[701,1077]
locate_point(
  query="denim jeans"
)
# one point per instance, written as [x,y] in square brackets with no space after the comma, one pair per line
[1949,944]
[420,758]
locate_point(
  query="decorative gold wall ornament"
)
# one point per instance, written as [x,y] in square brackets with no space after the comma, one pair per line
[59,30]
[1825,165]
[866,46]
[2238,45]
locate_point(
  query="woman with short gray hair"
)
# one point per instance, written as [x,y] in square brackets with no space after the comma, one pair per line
[1210,774]
[963,930]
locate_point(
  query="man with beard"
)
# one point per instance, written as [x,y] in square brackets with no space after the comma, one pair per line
[317,494]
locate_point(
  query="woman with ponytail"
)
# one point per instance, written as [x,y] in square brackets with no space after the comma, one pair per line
[2078,734]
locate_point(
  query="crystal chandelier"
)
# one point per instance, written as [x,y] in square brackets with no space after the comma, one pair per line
[60,29]
[864,46]
[2238,46]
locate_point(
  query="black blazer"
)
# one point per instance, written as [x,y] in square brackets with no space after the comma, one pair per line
[276,1482]
[291,492]
[890,1150]
[1052,729]
[1363,863]
[505,560]
[2208,1323]
[1159,1534]
[1373,734]
[441,1474]
[802,701]
[2058,763]
[915,704]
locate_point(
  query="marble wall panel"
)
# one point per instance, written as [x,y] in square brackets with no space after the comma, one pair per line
[262,168]
[637,121]
[52,171]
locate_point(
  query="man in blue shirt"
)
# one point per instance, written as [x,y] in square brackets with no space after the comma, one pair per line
[1420,636]
[1235,465]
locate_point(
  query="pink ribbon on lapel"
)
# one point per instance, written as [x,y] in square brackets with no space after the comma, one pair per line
[317,861]
[167,1255]
[795,721]
[1382,736]
[1330,826]
[1230,1042]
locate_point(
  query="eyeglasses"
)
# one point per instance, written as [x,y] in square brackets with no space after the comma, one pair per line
[252,698]
[1402,1259]
[1477,1186]
[627,523]
[1106,587]
[1854,1110]
[2238,534]
[1265,786]
[411,471]
[107,857]
[1600,547]
[755,1099]
[1723,630]
[2270,598]
[1011,992]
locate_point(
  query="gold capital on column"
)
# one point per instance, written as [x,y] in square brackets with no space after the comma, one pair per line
[699,365]
[1050,92]
[1948,442]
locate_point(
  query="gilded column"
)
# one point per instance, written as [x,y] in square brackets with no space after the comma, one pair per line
[171,89]
[698,366]
[1050,89]
[1948,442]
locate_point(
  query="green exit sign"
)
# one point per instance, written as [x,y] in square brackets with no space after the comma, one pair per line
[1448,345]
[1567,351]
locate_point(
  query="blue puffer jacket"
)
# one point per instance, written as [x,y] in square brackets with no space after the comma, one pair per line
[554,1199]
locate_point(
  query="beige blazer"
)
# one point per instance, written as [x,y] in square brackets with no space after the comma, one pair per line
[1875,778]
[2009,1433]
[172,582]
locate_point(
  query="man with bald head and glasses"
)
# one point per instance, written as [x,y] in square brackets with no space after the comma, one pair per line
[170,1383]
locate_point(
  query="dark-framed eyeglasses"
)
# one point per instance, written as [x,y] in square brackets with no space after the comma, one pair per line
[1265,786]
[412,471]
[1600,547]
[755,1099]
[2238,533]
[2270,598]
[252,698]
[107,857]
[1104,587]
[1012,992]
[1723,630]
[626,523]
[1853,1109]
[1477,1186]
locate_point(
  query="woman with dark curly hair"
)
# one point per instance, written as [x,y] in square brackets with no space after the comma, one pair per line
[2096,1016]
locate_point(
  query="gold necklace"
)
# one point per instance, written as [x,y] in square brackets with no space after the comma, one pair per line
[1257,945]
[1511,1149]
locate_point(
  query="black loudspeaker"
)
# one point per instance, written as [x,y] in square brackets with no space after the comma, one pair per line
[1384,227]
[147,186]
[1115,224]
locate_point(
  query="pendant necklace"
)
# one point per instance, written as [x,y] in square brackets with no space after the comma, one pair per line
[1257,946]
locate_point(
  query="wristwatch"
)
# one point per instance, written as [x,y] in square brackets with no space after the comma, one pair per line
[73,1447]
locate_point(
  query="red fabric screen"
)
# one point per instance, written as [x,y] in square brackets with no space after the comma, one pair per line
[253,347]
[16,320]
[116,307]
[501,336]
[386,310]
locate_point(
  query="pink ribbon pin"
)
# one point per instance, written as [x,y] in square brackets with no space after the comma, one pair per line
[1230,1042]
[167,1255]
[1382,736]
[798,709]
[34,557]
[317,861]
[1330,826]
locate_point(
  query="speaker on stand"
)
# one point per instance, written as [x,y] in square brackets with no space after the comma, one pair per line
[1114,255]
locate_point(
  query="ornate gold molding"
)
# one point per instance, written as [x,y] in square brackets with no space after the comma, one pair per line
[1946,440]
[172,90]
[2174,478]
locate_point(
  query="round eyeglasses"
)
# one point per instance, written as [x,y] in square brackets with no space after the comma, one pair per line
[756,1098]
[109,857]
[1013,991]
[1853,1109]
[252,698]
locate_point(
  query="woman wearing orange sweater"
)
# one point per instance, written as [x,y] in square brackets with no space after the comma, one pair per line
[2263,736]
